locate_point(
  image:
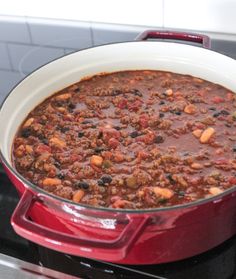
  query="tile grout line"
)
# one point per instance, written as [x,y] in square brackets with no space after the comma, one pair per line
[9,56]
[28,28]
[64,49]
[32,45]
[8,70]
[91,33]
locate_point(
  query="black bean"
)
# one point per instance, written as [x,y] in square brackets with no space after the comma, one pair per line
[77,90]
[161,103]
[100,134]
[117,128]
[81,185]
[106,179]
[234,148]
[86,121]
[41,137]
[64,129]
[224,112]
[178,112]
[26,132]
[170,178]
[162,200]
[45,141]
[61,175]
[100,182]
[159,139]
[161,114]
[228,125]
[80,134]
[181,193]
[212,108]
[137,92]
[98,150]
[134,134]
[57,164]
[163,95]
[43,121]
[58,103]
[216,114]
[72,106]
[116,92]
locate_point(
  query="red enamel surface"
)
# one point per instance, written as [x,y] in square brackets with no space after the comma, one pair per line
[129,238]
[172,35]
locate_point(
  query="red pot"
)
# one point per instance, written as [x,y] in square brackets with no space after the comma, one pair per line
[121,236]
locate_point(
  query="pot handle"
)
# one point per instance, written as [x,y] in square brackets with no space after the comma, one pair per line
[173,35]
[108,250]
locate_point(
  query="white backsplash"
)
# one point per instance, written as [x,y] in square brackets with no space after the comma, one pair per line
[28,43]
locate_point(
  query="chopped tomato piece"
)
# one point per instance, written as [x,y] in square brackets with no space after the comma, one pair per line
[122,104]
[143,120]
[42,148]
[232,180]
[113,143]
[217,100]
[135,106]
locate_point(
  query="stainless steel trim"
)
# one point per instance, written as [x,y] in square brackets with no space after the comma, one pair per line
[14,268]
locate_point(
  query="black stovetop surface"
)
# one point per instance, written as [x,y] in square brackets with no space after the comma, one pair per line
[218,263]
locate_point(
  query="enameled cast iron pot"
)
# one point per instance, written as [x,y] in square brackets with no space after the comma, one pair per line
[121,236]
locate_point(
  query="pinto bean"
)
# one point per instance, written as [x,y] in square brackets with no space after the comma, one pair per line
[169,92]
[215,190]
[131,182]
[20,151]
[163,192]
[78,195]
[207,134]
[190,109]
[63,97]
[57,142]
[28,122]
[51,181]
[96,160]
[29,149]
[196,166]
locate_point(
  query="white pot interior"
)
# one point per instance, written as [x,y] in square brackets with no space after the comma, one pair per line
[178,58]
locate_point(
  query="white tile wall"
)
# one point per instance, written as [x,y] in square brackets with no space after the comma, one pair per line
[69,50]
[205,15]
[110,33]
[8,80]
[66,34]
[26,58]
[4,58]
[27,43]
[14,29]
[130,12]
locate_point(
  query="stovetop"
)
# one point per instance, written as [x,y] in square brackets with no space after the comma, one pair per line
[218,263]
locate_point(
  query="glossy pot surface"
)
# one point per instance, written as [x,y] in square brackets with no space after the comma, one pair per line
[122,236]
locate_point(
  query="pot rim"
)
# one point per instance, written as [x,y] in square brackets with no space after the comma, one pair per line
[39,190]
